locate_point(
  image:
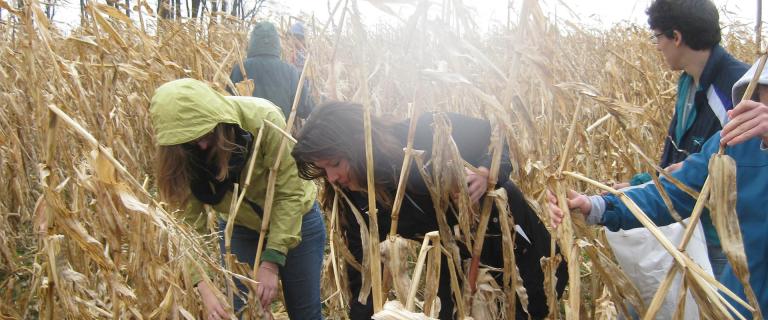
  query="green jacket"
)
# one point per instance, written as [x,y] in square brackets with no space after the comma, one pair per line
[186,109]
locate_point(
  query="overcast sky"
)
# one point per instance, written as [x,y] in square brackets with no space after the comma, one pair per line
[596,13]
[490,13]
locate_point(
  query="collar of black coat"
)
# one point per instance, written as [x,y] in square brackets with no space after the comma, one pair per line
[717,57]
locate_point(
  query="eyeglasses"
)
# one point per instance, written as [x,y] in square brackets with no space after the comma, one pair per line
[655,38]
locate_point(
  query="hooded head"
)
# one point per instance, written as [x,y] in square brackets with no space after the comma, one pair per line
[264,40]
[741,85]
[297,30]
[186,109]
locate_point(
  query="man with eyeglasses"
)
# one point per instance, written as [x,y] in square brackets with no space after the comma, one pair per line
[687,33]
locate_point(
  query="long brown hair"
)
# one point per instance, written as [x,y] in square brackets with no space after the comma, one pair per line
[173,167]
[335,130]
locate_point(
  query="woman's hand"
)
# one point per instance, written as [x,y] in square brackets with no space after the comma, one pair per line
[213,308]
[575,201]
[477,183]
[748,119]
[267,279]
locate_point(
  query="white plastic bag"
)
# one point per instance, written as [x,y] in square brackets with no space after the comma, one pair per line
[646,262]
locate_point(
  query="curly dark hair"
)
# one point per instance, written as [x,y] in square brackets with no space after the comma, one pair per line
[697,21]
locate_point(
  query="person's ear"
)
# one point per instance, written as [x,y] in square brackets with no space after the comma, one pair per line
[677,37]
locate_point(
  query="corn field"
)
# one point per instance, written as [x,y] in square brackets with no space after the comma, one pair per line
[82,234]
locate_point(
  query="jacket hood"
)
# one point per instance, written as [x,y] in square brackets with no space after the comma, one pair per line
[186,109]
[741,85]
[264,40]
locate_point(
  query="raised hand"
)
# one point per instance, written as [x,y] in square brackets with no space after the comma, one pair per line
[477,183]
[748,119]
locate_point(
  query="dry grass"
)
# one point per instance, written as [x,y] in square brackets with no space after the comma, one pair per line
[79,237]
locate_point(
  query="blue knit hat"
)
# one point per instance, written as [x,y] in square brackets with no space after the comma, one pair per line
[297,29]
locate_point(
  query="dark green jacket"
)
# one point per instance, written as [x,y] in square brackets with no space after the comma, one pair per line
[273,79]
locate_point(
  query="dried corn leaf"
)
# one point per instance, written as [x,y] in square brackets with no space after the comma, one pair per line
[626,113]
[549,266]
[394,310]
[365,272]
[604,306]
[245,87]
[486,302]
[394,256]
[5,6]
[432,303]
[113,12]
[722,171]
[106,26]
[88,40]
[104,170]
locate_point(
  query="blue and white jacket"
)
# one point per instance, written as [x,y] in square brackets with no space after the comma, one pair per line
[751,208]
[712,100]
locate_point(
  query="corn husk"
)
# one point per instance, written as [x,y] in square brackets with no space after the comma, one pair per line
[394,310]
[722,170]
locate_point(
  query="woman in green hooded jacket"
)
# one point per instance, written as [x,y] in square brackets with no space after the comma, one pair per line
[204,143]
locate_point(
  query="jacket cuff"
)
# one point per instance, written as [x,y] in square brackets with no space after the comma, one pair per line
[274,256]
[485,161]
[194,273]
[640,178]
[598,208]
[610,218]
[196,278]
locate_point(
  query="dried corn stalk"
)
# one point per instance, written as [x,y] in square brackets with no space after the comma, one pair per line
[334,282]
[447,177]
[511,282]
[103,73]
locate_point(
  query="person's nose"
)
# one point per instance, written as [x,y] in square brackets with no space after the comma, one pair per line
[332,175]
[202,144]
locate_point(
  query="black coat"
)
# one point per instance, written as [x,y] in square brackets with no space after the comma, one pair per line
[417,217]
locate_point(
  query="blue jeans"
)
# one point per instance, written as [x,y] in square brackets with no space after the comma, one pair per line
[303,265]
